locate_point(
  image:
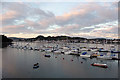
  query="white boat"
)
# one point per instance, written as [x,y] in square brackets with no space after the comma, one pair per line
[104,57]
[48,50]
[66,48]
[84,49]
[57,51]
[74,50]
[68,52]
[87,55]
[93,50]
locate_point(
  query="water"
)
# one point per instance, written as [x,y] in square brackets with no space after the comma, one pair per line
[19,64]
[0,63]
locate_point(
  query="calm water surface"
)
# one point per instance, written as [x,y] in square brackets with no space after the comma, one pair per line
[0,63]
[19,64]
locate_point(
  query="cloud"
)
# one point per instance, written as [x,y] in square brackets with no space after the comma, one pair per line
[25,18]
[21,11]
[109,30]
[92,13]
[8,15]
[17,14]
[13,29]
[66,29]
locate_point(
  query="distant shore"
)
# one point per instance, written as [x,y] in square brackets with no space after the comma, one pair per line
[68,39]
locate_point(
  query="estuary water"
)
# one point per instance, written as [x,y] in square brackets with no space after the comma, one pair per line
[17,63]
[0,63]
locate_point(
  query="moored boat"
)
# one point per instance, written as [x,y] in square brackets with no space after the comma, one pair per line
[48,50]
[75,53]
[68,52]
[36,65]
[36,49]
[47,55]
[103,50]
[104,57]
[100,65]
[57,51]
[85,55]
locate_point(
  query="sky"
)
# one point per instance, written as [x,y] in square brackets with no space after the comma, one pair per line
[77,19]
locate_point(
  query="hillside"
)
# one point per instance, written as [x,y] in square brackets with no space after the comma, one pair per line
[4,41]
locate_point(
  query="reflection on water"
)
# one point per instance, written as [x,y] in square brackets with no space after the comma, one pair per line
[19,64]
[4,44]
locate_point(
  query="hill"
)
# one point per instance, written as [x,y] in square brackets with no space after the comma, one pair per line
[4,41]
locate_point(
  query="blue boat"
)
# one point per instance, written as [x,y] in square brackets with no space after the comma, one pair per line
[84,53]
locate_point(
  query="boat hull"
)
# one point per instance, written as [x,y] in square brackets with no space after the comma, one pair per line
[47,56]
[85,56]
[34,67]
[100,65]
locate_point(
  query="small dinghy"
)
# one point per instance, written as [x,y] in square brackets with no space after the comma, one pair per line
[36,65]
[100,65]
[47,55]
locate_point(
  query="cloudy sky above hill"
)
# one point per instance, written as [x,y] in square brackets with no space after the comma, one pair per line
[88,19]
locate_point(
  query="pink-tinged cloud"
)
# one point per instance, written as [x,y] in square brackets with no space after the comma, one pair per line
[73,13]
[77,11]
[13,29]
[13,26]
[91,14]
[45,23]
[31,23]
[9,15]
